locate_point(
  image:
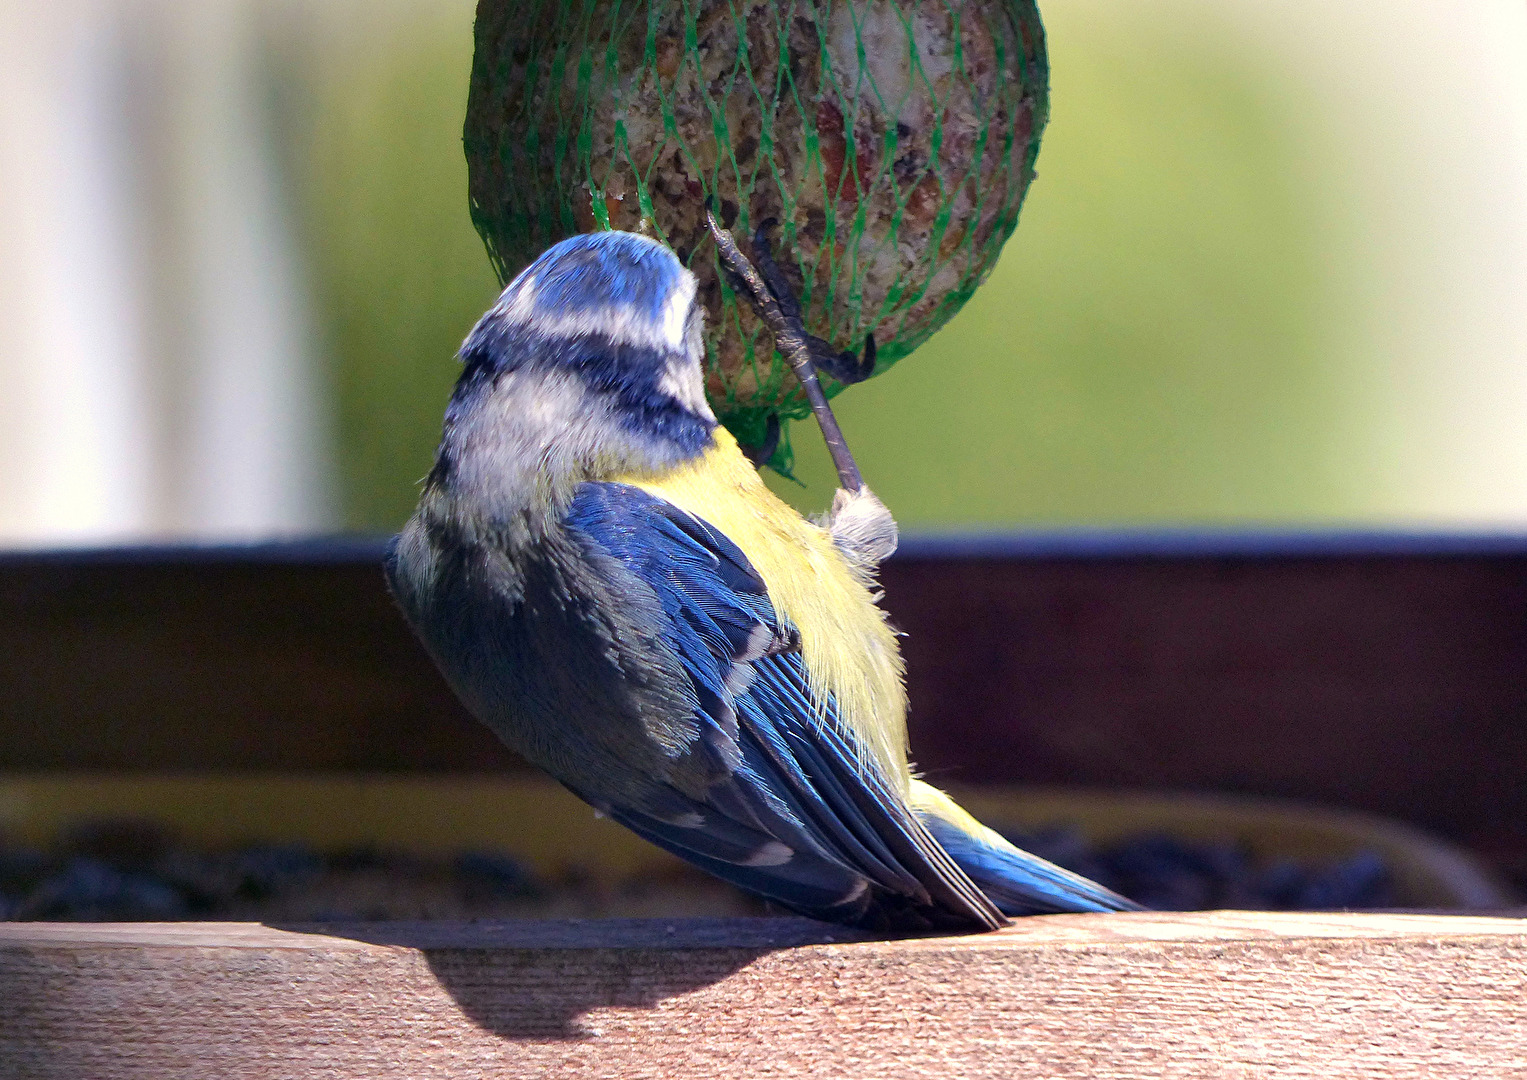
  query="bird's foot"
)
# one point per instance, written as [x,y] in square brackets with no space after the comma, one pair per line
[782,315]
[846,366]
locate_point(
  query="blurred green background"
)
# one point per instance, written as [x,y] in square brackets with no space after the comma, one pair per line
[1167,337]
[1149,348]
[1272,272]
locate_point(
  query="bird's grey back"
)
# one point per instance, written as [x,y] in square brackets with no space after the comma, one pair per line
[554,645]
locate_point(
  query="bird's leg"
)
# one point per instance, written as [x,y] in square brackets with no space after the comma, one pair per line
[861,527]
[790,337]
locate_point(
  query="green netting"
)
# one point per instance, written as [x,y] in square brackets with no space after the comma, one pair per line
[892,141]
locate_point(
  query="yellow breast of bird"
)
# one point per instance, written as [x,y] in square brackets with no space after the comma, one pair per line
[849,649]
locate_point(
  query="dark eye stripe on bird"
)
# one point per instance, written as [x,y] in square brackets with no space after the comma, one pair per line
[606,582]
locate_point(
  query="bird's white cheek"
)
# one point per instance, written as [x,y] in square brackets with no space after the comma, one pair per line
[681,381]
[675,318]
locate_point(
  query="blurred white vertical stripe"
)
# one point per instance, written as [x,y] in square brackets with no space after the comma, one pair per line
[74,444]
[158,373]
[253,458]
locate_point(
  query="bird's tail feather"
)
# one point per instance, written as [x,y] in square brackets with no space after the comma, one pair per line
[1017,882]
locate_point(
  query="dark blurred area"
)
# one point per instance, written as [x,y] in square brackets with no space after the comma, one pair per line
[126,871]
[1167,873]
[1383,674]
[134,871]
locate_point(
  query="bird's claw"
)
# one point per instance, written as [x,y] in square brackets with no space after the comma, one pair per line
[782,317]
[760,454]
[846,367]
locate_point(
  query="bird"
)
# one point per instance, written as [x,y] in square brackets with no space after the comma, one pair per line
[604,580]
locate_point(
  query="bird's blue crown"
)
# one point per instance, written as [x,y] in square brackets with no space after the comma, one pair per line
[592,274]
[614,287]
[618,311]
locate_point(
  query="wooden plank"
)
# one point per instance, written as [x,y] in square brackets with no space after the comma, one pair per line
[1139,996]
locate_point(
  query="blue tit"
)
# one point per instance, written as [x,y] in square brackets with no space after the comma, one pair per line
[605,581]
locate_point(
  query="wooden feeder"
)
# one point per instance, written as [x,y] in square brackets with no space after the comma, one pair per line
[276,687]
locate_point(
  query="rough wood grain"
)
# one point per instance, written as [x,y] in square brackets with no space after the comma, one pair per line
[1217,994]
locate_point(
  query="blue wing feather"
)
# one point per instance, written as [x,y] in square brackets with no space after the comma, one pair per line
[798,815]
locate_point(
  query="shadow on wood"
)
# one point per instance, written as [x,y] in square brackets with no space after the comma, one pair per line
[628,964]
[1372,996]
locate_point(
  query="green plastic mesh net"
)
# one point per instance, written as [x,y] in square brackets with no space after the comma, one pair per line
[891,141]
